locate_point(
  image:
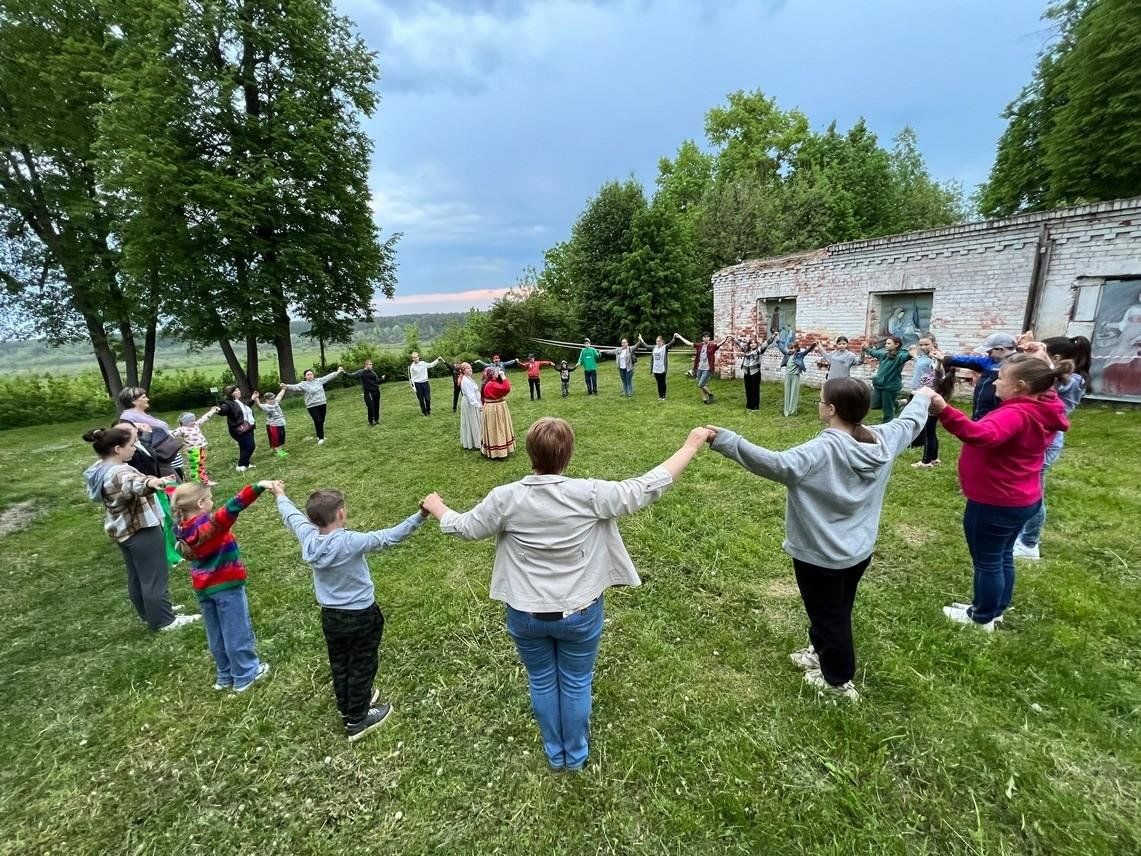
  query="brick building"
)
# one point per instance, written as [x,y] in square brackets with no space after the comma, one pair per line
[1074,271]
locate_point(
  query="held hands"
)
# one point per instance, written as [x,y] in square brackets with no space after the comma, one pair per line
[699,436]
[276,487]
[281,386]
[937,404]
[433,506]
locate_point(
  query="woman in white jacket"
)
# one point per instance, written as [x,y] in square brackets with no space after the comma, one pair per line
[557,549]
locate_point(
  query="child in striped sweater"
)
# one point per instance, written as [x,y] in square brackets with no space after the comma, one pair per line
[218,576]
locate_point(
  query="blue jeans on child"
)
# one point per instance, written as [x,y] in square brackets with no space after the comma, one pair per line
[1032,531]
[559,657]
[991,531]
[230,635]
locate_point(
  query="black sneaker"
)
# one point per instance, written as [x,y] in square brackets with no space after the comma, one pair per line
[373,719]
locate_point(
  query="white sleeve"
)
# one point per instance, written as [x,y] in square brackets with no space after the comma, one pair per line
[483,521]
[616,498]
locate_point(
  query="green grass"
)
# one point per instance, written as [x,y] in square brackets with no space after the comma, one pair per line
[705,739]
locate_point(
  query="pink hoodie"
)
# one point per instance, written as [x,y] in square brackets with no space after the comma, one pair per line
[1002,455]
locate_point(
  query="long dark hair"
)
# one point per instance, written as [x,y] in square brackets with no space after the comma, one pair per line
[1076,349]
[852,400]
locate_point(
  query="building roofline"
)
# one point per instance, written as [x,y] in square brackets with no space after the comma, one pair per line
[975,226]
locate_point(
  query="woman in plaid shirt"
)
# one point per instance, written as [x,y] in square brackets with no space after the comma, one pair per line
[133,520]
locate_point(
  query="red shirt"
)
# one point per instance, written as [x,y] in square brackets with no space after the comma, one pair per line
[1001,461]
[495,390]
[713,346]
[534,366]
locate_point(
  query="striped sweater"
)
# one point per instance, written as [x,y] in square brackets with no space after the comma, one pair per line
[217,564]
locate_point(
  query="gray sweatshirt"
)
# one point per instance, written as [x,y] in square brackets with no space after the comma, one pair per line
[314,390]
[341,578]
[835,485]
[840,362]
[273,414]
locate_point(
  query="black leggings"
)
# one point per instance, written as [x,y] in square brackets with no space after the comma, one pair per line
[317,413]
[930,439]
[660,377]
[753,391]
[455,396]
[828,595]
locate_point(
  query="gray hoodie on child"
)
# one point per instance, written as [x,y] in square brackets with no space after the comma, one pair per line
[835,485]
[341,578]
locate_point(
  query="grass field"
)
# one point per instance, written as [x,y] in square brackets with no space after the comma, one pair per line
[705,738]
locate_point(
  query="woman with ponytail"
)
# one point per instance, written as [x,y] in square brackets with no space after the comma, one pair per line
[1000,473]
[1070,389]
[836,484]
[133,520]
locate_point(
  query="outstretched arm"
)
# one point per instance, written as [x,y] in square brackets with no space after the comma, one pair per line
[787,468]
[482,521]
[683,340]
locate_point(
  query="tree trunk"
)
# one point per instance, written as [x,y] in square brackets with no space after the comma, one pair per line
[322,345]
[149,345]
[252,371]
[235,365]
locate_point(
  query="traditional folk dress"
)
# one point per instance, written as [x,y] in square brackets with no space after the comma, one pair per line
[470,429]
[497,431]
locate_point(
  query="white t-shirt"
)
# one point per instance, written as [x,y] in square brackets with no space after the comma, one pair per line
[659,365]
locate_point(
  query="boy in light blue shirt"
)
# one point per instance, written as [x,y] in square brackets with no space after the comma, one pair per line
[350,618]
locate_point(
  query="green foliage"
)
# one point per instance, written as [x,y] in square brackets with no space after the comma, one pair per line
[704,739]
[526,311]
[1074,132]
[463,341]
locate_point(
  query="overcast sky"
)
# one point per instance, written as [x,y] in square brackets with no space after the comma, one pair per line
[499,119]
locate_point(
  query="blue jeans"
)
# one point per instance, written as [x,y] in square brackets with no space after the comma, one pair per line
[591,378]
[627,381]
[559,657]
[1032,531]
[230,635]
[991,531]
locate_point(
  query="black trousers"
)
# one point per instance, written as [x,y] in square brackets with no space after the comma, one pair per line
[828,595]
[455,396]
[753,391]
[372,404]
[660,377]
[246,445]
[930,437]
[424,396]
[353,639]
[533,387]
[591,379]
[317,414]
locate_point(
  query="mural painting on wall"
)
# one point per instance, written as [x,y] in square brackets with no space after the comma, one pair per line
[905,316]
[781,318]
[1116,368]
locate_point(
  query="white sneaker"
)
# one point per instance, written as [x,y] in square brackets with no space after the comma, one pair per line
[321,442]
[1021,551]
[263,670]
[181,621]
[957,605]
[240,469]
[815,678]
[178,608]
[805,658]
[959,615]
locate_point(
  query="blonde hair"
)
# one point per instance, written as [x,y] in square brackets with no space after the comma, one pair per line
[184,502]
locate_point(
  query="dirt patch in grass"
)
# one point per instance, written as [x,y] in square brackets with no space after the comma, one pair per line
[782,587]
[18,516]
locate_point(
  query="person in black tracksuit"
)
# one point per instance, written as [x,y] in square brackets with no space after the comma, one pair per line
[370,384]
[457,376]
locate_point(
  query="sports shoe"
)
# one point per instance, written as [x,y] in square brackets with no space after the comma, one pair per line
[240,469]
[936,462]
[1023,551]
[373,719]
[177,608]
[281,453]
[223,685]
[211,483]
[815,678]
[923,465]
[181,621]
[805,658]
[957,605]
[321,442]
[263,670]
[959,615]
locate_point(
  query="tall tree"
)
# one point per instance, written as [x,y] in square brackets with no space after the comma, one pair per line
[599,239]
[54,59]
[755,137]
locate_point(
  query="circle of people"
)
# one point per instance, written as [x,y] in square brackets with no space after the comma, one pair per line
[558,547]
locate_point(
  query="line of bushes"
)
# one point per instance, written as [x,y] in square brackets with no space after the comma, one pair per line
[42,399]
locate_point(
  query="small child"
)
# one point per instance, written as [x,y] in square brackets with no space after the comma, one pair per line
[839,362]
[190,430]
[218,576]
[350,618]
[274,423]
[564,377]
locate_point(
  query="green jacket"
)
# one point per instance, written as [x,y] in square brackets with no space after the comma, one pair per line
[889,375]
